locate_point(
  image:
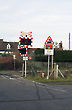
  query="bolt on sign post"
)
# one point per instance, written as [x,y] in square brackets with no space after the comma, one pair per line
[48,50]
[25,41]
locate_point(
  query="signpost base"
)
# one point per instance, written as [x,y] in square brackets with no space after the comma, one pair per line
[47,77]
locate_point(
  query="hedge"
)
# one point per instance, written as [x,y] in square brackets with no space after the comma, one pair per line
[63,56]
[59,55]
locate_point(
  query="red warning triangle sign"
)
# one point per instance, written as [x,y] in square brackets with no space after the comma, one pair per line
[49,41]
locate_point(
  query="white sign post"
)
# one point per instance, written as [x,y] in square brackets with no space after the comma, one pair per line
[48,66]
[14,57]
[52,64]
[25,68]
[24,59]
[49,51]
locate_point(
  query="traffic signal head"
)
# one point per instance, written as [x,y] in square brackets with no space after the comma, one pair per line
[25,41]
[22,51]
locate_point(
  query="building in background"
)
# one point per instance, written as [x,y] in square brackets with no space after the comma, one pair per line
[58,46]
[12,48]
[8,47]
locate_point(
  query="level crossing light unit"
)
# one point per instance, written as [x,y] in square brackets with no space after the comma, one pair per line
[25,41]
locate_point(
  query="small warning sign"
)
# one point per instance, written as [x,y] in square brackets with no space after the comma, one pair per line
[48,46]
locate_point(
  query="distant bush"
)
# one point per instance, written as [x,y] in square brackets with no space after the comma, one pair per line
[39,51]
[63,56]
[59,56]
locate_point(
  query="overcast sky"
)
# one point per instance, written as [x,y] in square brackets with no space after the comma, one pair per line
[42,17]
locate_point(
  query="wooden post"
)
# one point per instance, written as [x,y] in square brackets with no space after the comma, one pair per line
[23,69]
[55,71]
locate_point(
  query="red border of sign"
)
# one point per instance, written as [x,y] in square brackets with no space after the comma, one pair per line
[23,54]
[49,43]
[29,37]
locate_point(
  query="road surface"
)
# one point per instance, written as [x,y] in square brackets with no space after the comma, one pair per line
[17,93]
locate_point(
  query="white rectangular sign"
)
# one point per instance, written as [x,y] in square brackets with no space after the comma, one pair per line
[49,52]
[25,58]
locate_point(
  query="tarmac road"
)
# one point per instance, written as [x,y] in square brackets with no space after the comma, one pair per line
[17,93]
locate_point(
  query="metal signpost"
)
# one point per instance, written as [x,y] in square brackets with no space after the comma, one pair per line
[48,66]
[23,69]
[48,47]
[52,64]
[24,59]
[14,57]
[25,41]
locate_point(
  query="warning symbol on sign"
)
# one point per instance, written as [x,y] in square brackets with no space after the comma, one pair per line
[49,46]
[49,41]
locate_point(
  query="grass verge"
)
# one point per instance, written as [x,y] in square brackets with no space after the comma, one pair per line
[37,78]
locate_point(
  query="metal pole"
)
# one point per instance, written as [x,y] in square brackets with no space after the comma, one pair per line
[48,66]
[69,41]
[14,64]
[25,68]
[52,63]
[14,57]
[55,70]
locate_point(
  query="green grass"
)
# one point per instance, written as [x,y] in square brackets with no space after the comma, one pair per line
[38,78]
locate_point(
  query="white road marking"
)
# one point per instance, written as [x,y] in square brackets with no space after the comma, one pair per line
[3,77]
[46,86]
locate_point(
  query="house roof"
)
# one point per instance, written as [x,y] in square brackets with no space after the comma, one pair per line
[14,46]
[3,45]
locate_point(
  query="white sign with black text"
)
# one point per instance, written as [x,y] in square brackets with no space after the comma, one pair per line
[25,58]
[49,51]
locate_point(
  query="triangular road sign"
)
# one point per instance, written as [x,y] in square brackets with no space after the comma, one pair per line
[49,41]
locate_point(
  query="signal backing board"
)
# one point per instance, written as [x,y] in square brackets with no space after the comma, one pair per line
[25,41]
